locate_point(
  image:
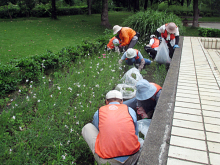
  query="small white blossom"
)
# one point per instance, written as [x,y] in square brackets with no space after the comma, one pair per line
[77,122]
[13,117]
[51,95]
[19,90]
[30,86]
[16,105]
[70,88]
[66,126]
[43,77]
[63,157]
[27,80]
[97,85]
[31,81]
[38,101]
[71,130]
[11,99]
[58,88]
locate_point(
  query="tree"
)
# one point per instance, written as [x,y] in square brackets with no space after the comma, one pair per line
[195,13]
[53,12]
[26,5]
[89,3]
[5,3]
[104,15]
[145,4]
[136,5]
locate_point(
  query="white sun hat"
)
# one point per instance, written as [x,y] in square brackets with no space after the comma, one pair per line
[171,27]
[116,29]
[145,90]
[116,42]
[114,94]
[152,36]
[130,53]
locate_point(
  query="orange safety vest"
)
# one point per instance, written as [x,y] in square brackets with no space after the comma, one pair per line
[110,44]
[126,34]
[164,35]
[158,88]
[116,135]
[137,57]
[156,43]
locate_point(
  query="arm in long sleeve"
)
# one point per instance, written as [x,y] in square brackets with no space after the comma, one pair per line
[134,117]
[95,121]
[123,56]
[176,40]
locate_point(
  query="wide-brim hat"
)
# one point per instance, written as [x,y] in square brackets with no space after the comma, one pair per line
[171,27]
[130,53]
[116,29]
[114,94]
[145,90]
[115,42]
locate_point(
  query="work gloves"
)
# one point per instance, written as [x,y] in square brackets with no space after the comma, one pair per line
[120,61]
[176,46]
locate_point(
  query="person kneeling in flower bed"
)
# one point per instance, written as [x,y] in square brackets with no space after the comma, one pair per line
[114,43]
[147,95]
[133,56]
[113,136]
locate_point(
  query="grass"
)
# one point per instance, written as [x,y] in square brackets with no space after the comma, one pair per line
[24,37]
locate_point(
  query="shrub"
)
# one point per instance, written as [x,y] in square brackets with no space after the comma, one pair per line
[146,23]
[208,32]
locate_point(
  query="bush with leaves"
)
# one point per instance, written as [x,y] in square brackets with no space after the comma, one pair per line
[146,23]
[209,32]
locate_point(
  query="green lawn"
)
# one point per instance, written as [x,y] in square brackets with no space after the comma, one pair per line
[24,37]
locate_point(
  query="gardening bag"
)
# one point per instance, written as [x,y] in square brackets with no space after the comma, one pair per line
[128,83]
[162,56]
[143,126]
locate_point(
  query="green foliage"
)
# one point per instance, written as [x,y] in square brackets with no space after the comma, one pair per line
[146,23]
[208,32]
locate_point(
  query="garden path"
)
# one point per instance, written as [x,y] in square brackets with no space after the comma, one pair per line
[195,135]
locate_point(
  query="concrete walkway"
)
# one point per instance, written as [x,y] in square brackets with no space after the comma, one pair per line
[185,129]
[195,135]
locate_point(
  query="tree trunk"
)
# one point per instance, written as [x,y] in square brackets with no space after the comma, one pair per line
[136,5]
[145,4]
[54,12]
[89,3]
[182,2]
[195,13]
[9,13]
[104,15]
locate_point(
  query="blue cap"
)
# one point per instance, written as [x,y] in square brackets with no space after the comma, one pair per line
[145,90]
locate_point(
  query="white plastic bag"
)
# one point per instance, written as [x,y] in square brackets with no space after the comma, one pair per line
[131,77]
[143,126]
[128,91]
[162,56]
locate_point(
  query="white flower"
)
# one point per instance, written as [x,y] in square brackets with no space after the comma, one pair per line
[31,82]
[13,117]
[71,130]
[60,92]
[16,105]
[74,116]
[77,122]
[68,113]
[44,82]
[49,79]
[43,77]
[90,67]
[38,101]
[19,90]
[63,157]
[68,141]
[77,94]
[27,80]
[60,143]
[97,85]
[30,86]
[20,128]
[34,96]
[84,85]
[11,99]
[58,88]
[51,95]
[70,88]
[78,72]
[78,85]
[54,104]
[113,70]
[66,126]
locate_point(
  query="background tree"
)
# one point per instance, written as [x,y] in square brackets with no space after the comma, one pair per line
[136,5]
[89,4]
[195,13]
[53,9]
[26,5]
[104,15]
[145,4]
[5,3]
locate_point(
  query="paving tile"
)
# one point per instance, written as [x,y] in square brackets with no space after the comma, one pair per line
[214,147]
[190,100]
[209,90]
[188,124]
[214,158]
[214,137]
[192,84]
[187,91]
[210,107]
[187,95]
[210,102]
[188,143]
[187,88]
[212,128]
[205,93]
[211,120]
[187,81]
[173,161]
[189,117]
[211,114]
[205,83]
[189,105]
[216,87]
[201,80]
[187,110]
[188,154]
[190,133]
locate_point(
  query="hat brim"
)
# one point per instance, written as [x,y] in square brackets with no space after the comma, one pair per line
[144,95]
[171,31]
[115,32]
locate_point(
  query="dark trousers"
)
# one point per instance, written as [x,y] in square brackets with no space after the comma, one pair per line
[151,51]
